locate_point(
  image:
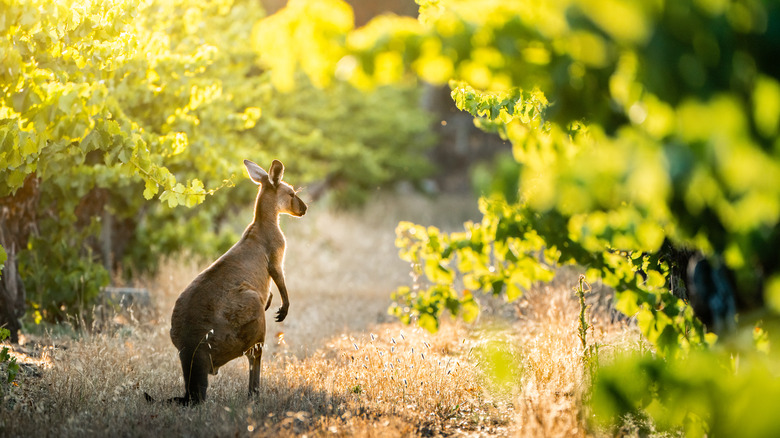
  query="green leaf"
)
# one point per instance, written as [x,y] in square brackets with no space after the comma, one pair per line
[771,293]
[645,319]
[513,291]
[169,197]
[150,189]
[125,155]
[626,302]
[193,200]
[68,97]
[28,146]
[429,322]
[469,309]
[196,185]
[655,280]
[437,272]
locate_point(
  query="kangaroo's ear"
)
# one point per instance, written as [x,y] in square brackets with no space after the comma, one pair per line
[258,175]
[276,173]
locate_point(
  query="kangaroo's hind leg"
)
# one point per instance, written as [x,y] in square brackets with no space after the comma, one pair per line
[195,368]
[254,331]
[255,355]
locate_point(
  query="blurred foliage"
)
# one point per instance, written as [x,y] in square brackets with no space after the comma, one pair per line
[639,129]
[11,367]
[706,393]
[60,280]
[110,104]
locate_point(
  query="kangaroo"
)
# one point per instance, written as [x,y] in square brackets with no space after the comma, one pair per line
[221,314]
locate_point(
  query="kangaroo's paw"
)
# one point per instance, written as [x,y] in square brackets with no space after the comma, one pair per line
[281,314]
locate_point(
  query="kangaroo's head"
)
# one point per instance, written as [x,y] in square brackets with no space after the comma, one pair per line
[276,196]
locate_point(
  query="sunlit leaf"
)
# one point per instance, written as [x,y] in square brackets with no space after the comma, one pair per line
[429,323]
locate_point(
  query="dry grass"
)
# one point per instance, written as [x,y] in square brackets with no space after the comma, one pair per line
[339,366]
[555,373]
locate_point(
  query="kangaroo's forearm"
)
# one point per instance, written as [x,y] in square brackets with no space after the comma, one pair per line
[278,278]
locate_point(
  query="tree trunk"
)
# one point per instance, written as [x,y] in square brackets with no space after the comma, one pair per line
[12,295]
[17,220]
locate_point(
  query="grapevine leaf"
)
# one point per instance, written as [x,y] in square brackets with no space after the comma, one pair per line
[150,189]
[513,291]
[429,322]
[469,308]
[626,302]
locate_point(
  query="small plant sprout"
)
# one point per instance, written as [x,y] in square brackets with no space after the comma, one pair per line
[582,288]
[5,357]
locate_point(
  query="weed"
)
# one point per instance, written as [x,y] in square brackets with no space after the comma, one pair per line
[589,352]
[11,367]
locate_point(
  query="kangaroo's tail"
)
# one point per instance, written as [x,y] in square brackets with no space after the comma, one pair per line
[179,400]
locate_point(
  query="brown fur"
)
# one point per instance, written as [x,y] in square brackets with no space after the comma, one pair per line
[221,314]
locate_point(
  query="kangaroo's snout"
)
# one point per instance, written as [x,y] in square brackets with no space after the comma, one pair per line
[299,207]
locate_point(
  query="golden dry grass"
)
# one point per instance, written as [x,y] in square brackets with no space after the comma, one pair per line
[555,373]
[338,366]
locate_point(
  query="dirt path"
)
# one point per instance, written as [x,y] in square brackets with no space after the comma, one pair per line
[342,267]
